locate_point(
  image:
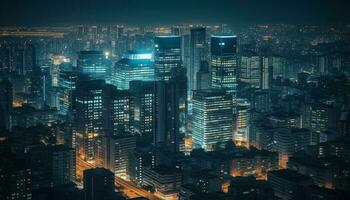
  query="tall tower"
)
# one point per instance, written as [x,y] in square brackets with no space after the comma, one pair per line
[167,55]
[89,116]
[198,53]
[212,118]
[224,64]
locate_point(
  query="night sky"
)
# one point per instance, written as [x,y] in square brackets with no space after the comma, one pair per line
[158,12]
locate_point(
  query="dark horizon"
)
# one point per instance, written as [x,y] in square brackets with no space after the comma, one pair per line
[157,12]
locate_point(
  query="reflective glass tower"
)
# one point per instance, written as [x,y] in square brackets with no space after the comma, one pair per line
[95,64]
[212,118]
[167,55]
[138,65]
[224,62]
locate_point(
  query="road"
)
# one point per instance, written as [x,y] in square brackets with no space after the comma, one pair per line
[82,165]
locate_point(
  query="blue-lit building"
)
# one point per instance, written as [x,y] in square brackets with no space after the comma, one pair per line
[224,62]
[138,65]
[167,55]
[212,118]
[66,83]
[95,64]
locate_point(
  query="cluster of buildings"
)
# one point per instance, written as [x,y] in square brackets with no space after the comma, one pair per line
[184,112]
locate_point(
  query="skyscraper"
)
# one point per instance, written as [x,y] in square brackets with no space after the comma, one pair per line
[98,184]
[212,118]
[138,65]
[118,110]
[167,55]
[171,110]
[89,116]
[95,64]
[266,72]
[241,136]
[198,53]
[144,100]
[250,69]
[224,62]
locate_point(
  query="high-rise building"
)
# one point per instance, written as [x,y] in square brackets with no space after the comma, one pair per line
[198,53]
[89,116]
[212,118]
[66,83]
[290,140]
[144,102]
[138,65]
[250,69]
[118,110]
[117,152]
[241,136]
[167,55]
[95,64]
[5,104]
[171,110]
[266,72]
[224,62]
[98,184]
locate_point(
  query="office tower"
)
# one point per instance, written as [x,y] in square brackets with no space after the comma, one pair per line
[144,102]
[250,69]
[66,84]
[15,181]
[266,72]
[117,152]
[118,110]
[290,140]
[198,53]
[138,65]
[323,117]
[95,64]
[5,104]
[203,76]
[88,116]
[171,110]
[98,184]
[63,165]
[212,118]
[167,56]
[37,88]
[224,62]
[241,136]
[288,184]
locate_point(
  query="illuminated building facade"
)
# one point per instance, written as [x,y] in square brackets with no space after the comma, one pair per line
[117,153]
[167,55]
[212,118]
[241,136]
[144,101]
[224,62]
[67,83]
[119,111]
[250,69]
[89,116]
[137,66]
[95,64]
